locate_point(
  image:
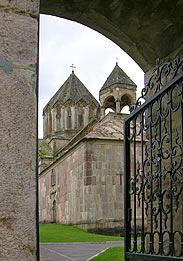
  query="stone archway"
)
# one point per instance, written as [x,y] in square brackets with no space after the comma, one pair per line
[142,29]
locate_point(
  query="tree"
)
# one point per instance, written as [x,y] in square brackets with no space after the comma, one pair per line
[44,149]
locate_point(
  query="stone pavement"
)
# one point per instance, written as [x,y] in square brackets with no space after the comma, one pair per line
[74,251]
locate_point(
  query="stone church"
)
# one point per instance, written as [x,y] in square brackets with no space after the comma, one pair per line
[81,180]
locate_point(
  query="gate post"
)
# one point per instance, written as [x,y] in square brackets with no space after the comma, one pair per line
[127,207]
[18,130]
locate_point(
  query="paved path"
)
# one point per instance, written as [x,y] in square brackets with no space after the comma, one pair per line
[73,251]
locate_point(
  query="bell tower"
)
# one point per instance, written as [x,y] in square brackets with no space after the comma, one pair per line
[117,92]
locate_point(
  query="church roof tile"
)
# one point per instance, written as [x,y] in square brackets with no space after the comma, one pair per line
[117,76]
[74,90]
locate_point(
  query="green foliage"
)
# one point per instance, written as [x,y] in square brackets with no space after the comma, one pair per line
[53,233]
[111,254]
[44,149]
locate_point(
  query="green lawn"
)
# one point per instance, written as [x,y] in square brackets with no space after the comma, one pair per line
[53,233]
[111,254]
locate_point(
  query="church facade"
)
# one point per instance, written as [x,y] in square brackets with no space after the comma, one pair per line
[81,182]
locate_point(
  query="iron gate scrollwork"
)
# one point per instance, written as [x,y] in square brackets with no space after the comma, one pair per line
[153,141]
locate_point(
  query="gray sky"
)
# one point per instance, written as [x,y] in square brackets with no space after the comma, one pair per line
[63,43]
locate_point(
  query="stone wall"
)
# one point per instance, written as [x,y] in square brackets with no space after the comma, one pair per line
[103,180]
[67,190]
[89,187]
[18,58]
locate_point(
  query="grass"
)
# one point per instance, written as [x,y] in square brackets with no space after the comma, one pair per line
[111,254]
[53,233]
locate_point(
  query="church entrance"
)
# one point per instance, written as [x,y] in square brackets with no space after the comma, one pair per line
[153,181]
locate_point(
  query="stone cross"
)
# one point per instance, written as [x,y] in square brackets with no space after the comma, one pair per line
[73,67]
[117,59]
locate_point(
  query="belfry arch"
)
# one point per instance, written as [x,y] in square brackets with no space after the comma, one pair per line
[126,100]
[146,30]
[118,91]
[109,103]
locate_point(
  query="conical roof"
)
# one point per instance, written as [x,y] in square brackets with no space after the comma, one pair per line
[72,89]
[117,76]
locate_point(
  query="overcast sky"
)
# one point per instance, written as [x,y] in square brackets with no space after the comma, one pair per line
[63,43]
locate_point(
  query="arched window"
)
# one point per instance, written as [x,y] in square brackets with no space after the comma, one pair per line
[69,119]
[80,118]
[58,117]
[109,103]
[126,100]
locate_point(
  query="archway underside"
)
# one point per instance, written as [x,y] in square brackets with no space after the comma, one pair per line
[146,30]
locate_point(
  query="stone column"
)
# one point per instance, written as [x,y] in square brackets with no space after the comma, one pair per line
[18,124]
[77,118]
[58,120]
[118,106]
[86,115]
[62,119]
[95,112]
[66,119]
[53,114]
[45,125]
[49,123]
[73,117]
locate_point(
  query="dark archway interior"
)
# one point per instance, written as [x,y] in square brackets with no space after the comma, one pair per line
[125,100]
[110,103]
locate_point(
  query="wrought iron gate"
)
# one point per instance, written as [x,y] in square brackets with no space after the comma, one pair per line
[153,141]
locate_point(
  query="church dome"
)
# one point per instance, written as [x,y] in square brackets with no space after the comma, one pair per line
[117,76]
[74,90]
[70,109]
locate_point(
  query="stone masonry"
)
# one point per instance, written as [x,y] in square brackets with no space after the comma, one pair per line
[88,188]
[18,58]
